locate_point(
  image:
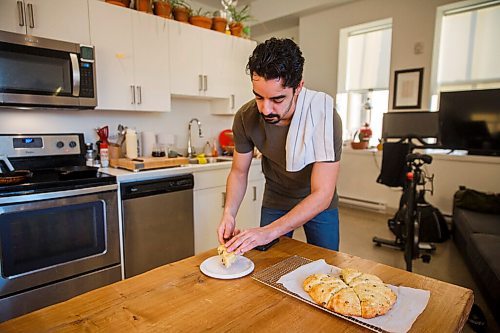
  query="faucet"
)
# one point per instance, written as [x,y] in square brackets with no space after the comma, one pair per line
[190,151]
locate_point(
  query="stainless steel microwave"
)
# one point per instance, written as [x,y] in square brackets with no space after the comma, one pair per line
[43,73]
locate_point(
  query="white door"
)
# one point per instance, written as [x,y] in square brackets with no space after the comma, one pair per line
[217,60]
[12,16]
[242,85]
[151,62]
[185,59]
[65,20]
[208,209]
[114,55]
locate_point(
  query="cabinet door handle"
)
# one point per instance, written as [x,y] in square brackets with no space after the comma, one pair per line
[232,102]
[139,94]
[223,199]
[31,16]
[200,82]
[132,89]
[205,82]
[254,193]
[20,12]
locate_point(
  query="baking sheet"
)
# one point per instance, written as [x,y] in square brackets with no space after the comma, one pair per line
[288,275]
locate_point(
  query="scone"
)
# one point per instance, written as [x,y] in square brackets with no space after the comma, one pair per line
[227,258]
[352,294]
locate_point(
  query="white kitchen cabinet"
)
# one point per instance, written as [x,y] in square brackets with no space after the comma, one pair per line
[198,61]
[240,87]
[209,199]
[131,58]
[65,20]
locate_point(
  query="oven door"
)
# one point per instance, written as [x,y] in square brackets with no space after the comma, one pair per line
[54,236]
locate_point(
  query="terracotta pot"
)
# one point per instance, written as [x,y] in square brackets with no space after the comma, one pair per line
[201,21]
[236,29]
[162,8]
[121,3]
[143,6]
[181,14]
[219,24]
[359,145]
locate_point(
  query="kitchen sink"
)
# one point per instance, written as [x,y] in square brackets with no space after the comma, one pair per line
[209,160]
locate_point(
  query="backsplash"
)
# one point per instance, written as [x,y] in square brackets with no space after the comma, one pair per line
[85,121]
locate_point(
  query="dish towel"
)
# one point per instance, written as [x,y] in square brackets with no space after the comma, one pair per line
[310,136]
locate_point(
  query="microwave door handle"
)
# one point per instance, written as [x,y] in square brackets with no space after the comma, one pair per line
[20,11]
[76,74]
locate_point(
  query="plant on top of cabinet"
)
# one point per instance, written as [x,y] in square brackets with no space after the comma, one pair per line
[219,22]
[144,6]
[201,18]
[238,17]
[162,8]
[121,3]
[181,10]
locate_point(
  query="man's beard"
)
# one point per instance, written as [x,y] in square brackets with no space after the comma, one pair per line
[274,118]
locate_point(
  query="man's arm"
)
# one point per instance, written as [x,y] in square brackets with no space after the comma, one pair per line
[323,182]
[235,191]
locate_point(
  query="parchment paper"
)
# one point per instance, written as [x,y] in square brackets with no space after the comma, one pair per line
[409,305]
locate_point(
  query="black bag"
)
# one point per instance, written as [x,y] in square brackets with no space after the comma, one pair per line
[477,201]
[432,226]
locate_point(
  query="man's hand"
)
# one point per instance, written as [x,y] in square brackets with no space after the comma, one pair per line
[248,239]
[226,228]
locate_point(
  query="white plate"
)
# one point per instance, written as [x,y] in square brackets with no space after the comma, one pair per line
[213,267]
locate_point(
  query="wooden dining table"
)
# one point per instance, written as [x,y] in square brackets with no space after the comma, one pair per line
[178,297]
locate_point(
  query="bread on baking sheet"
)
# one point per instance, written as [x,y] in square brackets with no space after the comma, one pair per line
[227,258]
[352,294]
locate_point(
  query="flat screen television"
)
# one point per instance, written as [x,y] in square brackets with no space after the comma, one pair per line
[470,120]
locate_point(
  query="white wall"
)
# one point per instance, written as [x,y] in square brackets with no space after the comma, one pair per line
[85,121]
[359,170]
[413,22]
[292,33]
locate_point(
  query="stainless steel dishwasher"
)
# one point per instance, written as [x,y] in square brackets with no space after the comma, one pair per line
[158,222]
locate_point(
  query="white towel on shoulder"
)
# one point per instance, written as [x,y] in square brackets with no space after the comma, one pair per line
[310,136]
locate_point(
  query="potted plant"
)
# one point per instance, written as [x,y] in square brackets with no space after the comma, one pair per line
[121,3]
[364,135]
[181,10]
[201,18]
[162,8]
[219,22]
[143,6]
[237,19]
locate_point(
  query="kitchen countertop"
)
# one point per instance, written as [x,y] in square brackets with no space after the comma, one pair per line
[178,297]
[123,175]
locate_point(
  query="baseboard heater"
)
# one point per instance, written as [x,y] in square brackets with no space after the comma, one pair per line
[367,204]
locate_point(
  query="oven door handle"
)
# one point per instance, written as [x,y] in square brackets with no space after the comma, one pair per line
[75,68]
[57,195]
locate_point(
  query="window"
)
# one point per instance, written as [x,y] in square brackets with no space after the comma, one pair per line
[466,47]
[363,78]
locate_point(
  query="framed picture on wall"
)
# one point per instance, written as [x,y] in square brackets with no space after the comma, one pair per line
[408,88]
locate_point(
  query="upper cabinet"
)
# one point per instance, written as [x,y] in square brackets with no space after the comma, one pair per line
[65,20]
[131,58]
[209,64]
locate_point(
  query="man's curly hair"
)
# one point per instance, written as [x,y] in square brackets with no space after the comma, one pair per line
[277,59]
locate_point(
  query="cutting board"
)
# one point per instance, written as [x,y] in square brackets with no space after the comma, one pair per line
[148,163]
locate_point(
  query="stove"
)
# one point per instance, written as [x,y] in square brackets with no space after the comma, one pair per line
[59,227]
[56,161]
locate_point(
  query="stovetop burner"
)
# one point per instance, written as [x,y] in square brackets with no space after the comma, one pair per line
[57,162]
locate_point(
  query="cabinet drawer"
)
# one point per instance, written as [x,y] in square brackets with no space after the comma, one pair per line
[210,178]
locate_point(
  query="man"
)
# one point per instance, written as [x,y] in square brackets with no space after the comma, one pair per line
[299,135]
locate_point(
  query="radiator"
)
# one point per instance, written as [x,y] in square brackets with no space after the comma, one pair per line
[362,203]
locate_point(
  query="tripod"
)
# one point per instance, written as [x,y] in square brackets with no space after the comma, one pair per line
[405,225]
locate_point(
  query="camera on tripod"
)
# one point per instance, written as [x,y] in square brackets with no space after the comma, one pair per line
[416,223]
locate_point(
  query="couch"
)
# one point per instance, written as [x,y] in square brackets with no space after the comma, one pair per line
[477,236]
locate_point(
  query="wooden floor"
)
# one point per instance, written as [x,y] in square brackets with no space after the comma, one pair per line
[357,228]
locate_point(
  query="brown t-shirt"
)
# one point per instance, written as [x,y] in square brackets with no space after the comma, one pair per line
[284,189]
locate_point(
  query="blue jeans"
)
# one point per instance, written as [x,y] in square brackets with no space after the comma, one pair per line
[322,230]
